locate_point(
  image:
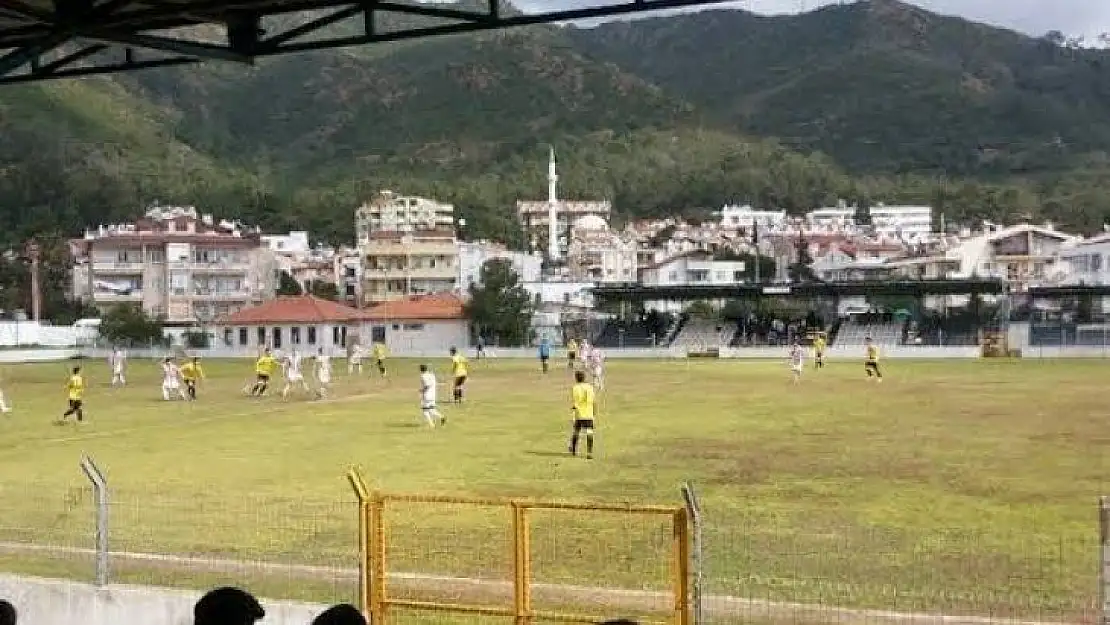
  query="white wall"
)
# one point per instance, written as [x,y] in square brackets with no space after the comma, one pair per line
[325,337]
[56,602]
[16,333]
[420,338]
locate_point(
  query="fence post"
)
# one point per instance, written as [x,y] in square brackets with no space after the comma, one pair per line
[693,510]
[358,484]
[522,569]
[100,491]
[1104,560]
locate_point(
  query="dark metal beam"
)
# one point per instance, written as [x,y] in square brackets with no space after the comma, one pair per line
[63,32]
[97,69]
[168,44]
[314,25]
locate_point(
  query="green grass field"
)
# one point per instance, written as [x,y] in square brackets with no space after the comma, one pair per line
[959,487]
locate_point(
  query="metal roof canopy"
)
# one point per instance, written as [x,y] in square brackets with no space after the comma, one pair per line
[808,290]
[48,39]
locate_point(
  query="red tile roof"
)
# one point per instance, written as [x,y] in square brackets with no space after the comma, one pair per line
[437,306]
[299,309]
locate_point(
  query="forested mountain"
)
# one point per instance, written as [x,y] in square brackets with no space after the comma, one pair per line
[873,101]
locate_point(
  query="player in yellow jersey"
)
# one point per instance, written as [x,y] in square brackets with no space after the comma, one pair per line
[459,371]
[572,353]
[819,351]
[75,391]
[191,373]
[379,358]
[871,365]
[264,369]
[583,406]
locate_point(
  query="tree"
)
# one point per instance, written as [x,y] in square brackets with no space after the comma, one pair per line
[288,286]
[499,308]
[128,324]
[801,270]
[324,289]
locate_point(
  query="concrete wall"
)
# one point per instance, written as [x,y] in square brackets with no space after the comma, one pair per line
[57,602]
[14,356]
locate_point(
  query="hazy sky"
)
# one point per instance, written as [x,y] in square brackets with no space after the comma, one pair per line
[1035,17]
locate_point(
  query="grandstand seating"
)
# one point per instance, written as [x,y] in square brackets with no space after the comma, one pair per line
[703,333]
[852,332]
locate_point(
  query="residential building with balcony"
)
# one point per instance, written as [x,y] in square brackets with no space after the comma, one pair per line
[175,263]
[390,212]
[473,255]
[396,265]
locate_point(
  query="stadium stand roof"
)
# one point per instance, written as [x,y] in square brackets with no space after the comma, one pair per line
[46,39]
[916,288]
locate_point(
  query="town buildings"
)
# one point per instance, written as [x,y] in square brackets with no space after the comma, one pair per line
[176,263]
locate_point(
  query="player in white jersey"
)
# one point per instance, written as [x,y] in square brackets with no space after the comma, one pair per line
[293,373]
[118,362]
[323,374]
[797,361]
[171,381]
[428,398]
[354,360]
[596,362]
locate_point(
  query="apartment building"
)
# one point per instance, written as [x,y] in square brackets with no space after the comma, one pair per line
[398,264]
[174,262]
[390,212]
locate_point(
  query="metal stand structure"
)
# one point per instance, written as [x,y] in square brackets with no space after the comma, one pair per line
[115,35]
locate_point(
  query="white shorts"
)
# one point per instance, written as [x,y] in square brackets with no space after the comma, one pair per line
[796,368]
[323,379]
[171,385]
[428,406]
[294,377]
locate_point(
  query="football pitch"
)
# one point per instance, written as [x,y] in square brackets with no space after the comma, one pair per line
[954,486]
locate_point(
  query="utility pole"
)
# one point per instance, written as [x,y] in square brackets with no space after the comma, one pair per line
[34,254]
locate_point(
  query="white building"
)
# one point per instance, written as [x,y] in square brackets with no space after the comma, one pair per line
[906,223]
[303,323]
[175,263]
[417,326]
[473,255]
[295,243]
[390,212]
[396,264]
[1086,262]
[598,254]
[694,269]
[736,217]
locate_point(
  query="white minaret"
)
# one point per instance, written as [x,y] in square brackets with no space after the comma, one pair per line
[552,208]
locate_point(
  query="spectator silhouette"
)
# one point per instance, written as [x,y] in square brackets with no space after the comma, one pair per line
[7,613]
[342,614]
[227,606]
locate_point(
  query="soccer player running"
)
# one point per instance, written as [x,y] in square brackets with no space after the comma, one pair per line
[583,400]
[294,375]
[459,371]
[545,354]
[171,381]
[354,360]
[428,398]
[379,358]
[263,370]
[75,391]
[323,374]
[871,365]
[597,367]
[118,362]
[797,361]
[819,352]
[572,353]
[191,373]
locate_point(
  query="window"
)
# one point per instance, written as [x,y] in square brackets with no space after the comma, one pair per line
[311,335]
[242,336]
[277,338]
[414,327]
[261,336]
[227,337]
[295,335]
[1096,262]
[335,340]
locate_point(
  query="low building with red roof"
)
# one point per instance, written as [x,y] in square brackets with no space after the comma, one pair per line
[426,324]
